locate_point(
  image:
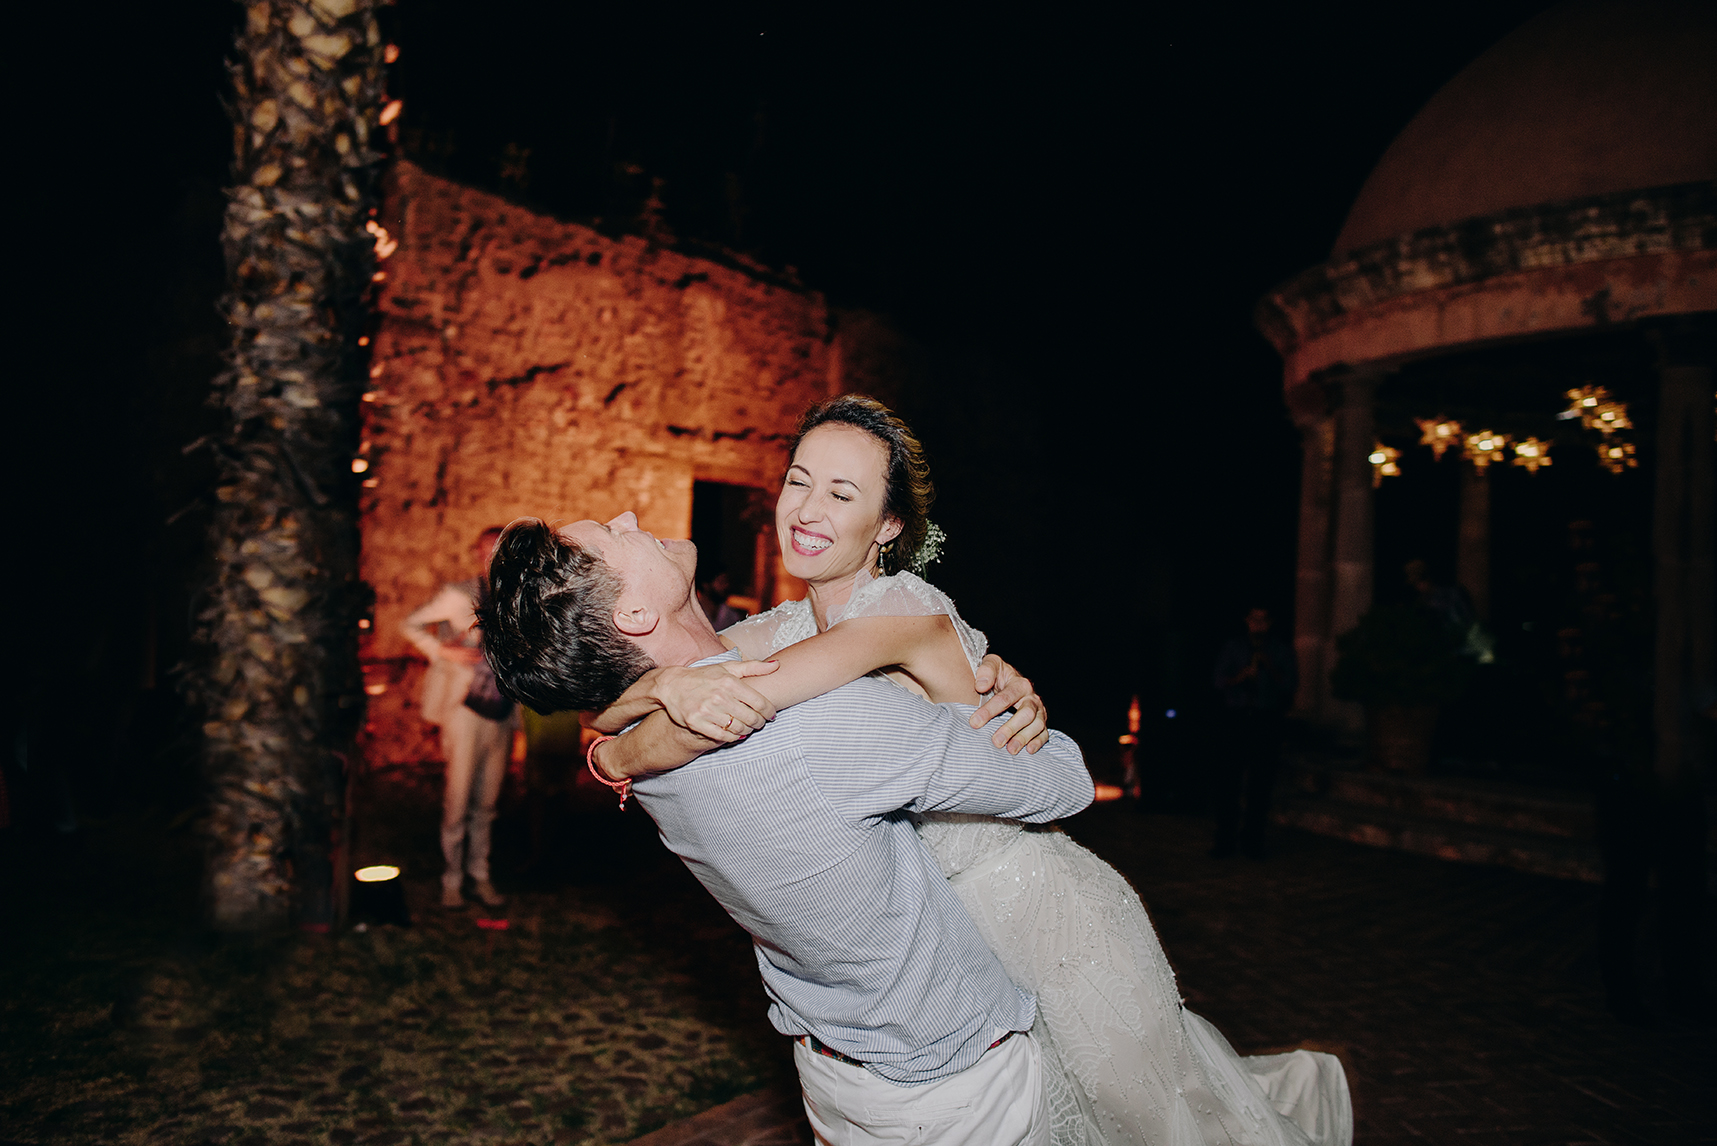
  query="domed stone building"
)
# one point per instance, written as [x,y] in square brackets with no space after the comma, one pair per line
[1546,224]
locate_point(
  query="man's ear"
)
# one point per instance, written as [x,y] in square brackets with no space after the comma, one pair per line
[639,621]
[890,530]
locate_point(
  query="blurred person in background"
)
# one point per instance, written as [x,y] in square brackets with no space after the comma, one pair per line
[1257,676]
[477,724]
[713,588]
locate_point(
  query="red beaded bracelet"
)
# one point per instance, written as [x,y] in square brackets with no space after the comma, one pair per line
[624,787]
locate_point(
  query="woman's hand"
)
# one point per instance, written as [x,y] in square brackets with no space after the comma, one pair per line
[1029,728]
[714,701]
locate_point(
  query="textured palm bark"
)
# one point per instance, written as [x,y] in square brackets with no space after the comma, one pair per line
[281,687]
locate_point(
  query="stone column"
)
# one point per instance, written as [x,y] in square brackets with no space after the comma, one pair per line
[1684,583]
[1312,576]
[1472,546]
[1355,552]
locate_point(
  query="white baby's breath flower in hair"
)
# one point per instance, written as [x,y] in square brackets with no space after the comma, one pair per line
[929,549]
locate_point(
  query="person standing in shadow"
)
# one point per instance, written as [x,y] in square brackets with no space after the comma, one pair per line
[1257,676]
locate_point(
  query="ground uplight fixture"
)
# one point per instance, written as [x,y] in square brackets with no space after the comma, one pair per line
[378,896]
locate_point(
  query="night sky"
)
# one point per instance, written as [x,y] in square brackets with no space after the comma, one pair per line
[1071,211]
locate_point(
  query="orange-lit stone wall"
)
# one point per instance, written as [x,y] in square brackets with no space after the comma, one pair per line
[527,366]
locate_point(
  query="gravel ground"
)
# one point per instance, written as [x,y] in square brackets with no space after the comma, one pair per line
[617,998]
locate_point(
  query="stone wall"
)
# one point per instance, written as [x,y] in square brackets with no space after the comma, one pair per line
[524,365]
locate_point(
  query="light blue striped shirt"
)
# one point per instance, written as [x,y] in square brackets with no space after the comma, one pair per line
[801,832]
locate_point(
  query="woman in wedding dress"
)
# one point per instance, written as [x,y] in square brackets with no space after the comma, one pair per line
[1124,1060]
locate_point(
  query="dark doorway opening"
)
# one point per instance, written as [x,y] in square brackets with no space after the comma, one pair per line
[725,529]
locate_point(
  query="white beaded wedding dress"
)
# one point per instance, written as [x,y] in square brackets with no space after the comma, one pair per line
[1124,1061]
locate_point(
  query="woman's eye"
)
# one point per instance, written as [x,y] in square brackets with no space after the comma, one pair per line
[796,482]
[842,497]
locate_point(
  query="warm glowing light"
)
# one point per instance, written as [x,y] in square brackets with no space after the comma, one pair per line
[1597,410]
[390,53]
[369,395]
[1532,453]
[386,244]
[359,465]
[1617,456]
[1107,792]
[363,622]
[376,370]
[492,924]
[380,873]
[1133,716]
[379,277]
[1128,738]
[375,689]
[363,340]
[1439,434]
[371,483]
[1485,447]
[1383,463]
[391,111]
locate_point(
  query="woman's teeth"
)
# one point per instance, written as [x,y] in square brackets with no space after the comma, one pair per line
[814,544]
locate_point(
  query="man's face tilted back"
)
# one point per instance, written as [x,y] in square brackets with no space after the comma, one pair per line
[653,574]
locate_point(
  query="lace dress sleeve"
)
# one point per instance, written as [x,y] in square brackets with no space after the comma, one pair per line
[786,624]
[908,595]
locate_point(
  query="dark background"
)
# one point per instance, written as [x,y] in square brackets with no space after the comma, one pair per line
[1070,211]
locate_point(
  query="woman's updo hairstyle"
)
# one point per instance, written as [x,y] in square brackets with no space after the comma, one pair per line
[909,492]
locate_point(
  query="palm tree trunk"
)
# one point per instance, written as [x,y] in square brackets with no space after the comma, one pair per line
[281,689]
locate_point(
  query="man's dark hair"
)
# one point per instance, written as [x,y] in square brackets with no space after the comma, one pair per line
[548,623]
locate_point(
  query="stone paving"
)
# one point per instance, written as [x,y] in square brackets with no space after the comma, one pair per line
[1464,1000]
[619,1002]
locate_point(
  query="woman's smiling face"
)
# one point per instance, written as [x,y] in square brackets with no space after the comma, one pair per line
[829,517]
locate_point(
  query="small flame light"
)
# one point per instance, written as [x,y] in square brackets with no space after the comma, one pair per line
[1485,447]
[1532,453]
[391,111]
[363,622]
[380,873]
[1383,461]
[1440,434]
[359,465]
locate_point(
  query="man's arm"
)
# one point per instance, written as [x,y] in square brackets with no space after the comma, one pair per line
[877,750]
[450,605]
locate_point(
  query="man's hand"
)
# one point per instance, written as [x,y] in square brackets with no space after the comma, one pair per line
[1029,728]
[461,654]
[714,702]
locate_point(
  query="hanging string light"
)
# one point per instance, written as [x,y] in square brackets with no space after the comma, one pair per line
[1597,410]
[1532,453]
[1438,433]
[1485,447]
[1617,456]
[1383,459]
